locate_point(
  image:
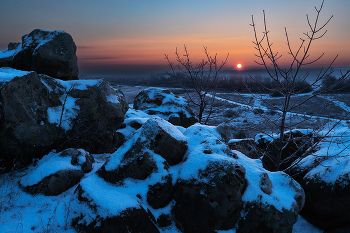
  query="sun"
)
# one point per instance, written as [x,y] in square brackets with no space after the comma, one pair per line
[239,65]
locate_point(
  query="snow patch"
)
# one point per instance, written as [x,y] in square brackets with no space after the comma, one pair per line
[78,84]
[282,196]
[70,111]
[113,99]
[107,196]
[48,165]
[7,74]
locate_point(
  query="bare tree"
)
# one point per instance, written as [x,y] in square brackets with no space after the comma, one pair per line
[284,81]
[202,78]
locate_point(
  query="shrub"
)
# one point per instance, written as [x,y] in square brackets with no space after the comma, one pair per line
[332,85]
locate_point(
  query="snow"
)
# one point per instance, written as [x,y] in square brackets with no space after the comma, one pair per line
[70,111]
[10,53]
[7,74]
[282,194]
[116,157]
[170,103]
[41,39]
[201,137]
[21,212]
[48,165]
[336,102]
[156,122]
[334,155]
[78,84]
[113,99]
[107,197]
[302,226]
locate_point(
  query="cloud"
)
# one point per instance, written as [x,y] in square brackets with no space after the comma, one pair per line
[101,58]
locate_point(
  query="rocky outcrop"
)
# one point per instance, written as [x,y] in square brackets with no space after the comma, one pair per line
[118,213]
[247,146]
[325,181]
[169,179]
[40,113]
[47,52]
[211,188]
[205,202]
[278,215]
[148,153]
[298,142]
[57,172]
[163,103]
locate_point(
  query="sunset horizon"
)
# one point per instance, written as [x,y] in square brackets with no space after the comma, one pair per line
[132,38]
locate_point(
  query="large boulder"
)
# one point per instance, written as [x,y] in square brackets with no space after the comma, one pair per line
[163,103]
[222,189]
[325,181]
[40,113]
[211,189]
[47,52]
[298,141]
[145,158]
[100,207]
[206,199]
[57,172]
[247,146]
[272,204]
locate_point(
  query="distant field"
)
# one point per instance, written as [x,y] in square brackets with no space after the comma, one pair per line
[242,120]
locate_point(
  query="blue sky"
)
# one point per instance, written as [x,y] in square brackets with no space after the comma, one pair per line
[132,34]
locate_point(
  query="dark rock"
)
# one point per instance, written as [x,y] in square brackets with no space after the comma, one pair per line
[55,182]
[205,205]
[246,146]
[140,167]
[160,194]
[258,216]
[164,139]
[100,218]
[298,143]
[325,181]
[163,103]
[31,123]
[265,184]
[164,220]
[134,166]
[266,218]
[79,156]
[47,52]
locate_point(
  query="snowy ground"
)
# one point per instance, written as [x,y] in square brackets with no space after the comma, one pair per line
[22,212]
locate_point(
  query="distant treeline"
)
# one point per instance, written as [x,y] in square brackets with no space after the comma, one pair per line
[232,84]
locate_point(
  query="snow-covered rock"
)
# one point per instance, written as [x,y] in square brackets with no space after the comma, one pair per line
[272,200]
[247,146]
[57,172]
[163,103]
[211,188]
[298,142]
[101,207]
[47,52]
[326,182]
[40,113]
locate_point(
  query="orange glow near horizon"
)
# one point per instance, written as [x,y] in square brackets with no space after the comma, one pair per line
[151,52]
[239,66]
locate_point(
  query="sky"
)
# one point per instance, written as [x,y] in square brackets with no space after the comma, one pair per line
[133,36]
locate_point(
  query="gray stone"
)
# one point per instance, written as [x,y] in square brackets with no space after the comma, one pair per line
[205,205]
[61,180]
[163,103]
[47,52]
[29,130]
